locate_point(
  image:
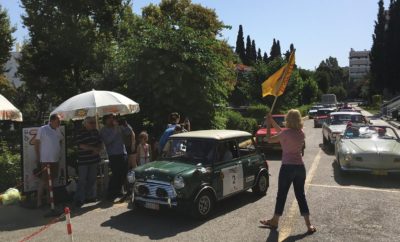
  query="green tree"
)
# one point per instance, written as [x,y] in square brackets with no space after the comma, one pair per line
[253,51]
[68,47]
[249,52]
[323,81]
[240,50]
[275,50]
[378,51]
[265,58]
[393,48]
[6,39]
[173,65]
[310,91]
[339,91]
[259,56]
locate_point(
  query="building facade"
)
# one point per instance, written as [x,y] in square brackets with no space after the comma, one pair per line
[359,64]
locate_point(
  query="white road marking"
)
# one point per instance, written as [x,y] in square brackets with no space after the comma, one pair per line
[356,188]
[286,227]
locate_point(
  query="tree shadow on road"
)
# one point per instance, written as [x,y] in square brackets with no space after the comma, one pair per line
[364,179]
[167,223]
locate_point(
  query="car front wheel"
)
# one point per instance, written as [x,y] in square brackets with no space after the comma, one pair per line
[203,205]
[261,187]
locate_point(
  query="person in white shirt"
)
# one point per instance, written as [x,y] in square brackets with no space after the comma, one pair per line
[48,152]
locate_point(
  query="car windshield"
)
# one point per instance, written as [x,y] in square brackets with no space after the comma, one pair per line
[322,112]
[370,132]
[345,118]
[280,120]
[192,151]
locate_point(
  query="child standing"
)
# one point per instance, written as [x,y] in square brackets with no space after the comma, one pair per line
[144,149]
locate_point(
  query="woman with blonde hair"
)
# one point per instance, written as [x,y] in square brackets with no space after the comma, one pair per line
[292,169]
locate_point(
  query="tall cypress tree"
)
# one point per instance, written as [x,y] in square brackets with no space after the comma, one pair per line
[240,50]
[377,55]
[278,49]
[259,56]
[253,51]
[275,50]
[265,58]
[393,48]
[247,60]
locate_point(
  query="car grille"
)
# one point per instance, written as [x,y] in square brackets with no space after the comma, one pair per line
[155,189]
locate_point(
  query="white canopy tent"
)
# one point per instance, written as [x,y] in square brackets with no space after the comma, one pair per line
[8,111]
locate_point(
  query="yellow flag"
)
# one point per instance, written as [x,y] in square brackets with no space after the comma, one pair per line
[275,85]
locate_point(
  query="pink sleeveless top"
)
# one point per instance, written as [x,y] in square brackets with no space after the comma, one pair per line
[292,143]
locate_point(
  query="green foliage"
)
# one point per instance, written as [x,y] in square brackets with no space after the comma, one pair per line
[10,167]
[180,68]
[236,121]
[339,91]
[6,39]
[377,55]
[257,112]
[304,109]
[376,100]
[69,47]
[392,50]
[240,50]
[310,91]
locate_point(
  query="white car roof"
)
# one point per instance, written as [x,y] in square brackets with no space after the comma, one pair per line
[212,134]
[345,113]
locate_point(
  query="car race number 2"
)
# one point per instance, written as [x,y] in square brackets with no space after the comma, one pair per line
[232,179]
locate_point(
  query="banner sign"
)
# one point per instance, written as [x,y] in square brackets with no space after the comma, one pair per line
[29,160]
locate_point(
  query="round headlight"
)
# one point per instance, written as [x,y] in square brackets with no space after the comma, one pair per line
[131,176]
[179,182]
[348,157]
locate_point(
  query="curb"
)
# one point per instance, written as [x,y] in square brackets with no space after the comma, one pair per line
[394,124]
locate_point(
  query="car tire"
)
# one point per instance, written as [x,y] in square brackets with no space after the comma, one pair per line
[262,184]
[203,205]
[324,140]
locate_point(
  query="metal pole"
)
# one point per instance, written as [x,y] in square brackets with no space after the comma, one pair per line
[50,188]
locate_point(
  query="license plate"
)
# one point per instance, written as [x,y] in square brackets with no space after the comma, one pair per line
[379,173]
[153,206]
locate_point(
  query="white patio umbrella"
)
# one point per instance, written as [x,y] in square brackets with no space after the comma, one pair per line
[8,111]
[96,104]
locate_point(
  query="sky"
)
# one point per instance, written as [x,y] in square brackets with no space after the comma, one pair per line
[317,28]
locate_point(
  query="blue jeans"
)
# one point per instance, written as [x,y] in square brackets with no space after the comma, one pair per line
[289,174]
[87,182]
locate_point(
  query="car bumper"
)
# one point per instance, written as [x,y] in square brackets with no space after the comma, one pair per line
[368,170]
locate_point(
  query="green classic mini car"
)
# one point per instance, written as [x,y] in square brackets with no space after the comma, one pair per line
[198,169]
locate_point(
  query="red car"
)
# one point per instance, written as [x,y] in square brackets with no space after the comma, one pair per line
[322,116]
[261,135]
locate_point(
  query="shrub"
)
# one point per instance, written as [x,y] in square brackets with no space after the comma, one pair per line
[10,167]
[236,121]
[257,112]
[376,100]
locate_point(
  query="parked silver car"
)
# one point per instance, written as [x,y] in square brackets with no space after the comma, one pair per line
[373,149]
[336,124]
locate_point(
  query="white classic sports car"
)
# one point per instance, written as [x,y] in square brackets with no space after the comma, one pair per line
[336,125]
[374,149]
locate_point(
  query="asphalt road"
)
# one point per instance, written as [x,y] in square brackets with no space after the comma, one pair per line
[343,208]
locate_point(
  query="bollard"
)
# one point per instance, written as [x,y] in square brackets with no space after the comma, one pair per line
[50,188]
[69,226]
